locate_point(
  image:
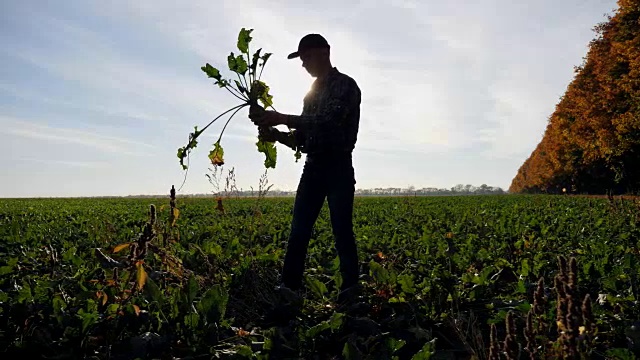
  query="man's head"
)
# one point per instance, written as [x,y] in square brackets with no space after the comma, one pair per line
[314,51]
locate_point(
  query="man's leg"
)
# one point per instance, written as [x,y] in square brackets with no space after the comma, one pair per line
[340,198]
[309,199]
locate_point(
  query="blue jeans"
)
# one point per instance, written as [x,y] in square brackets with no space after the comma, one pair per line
[332,178]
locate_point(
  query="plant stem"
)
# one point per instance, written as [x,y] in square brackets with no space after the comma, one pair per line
[227,123]
[238,107]
[240,96]
[244,84]
[264,62]
[249,62]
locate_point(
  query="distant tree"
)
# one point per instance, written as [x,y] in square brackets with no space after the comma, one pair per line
[592,140]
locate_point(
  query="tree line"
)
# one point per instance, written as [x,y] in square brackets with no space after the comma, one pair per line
[591,142]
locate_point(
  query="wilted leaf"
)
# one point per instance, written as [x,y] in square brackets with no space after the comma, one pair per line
[102,296]
[136,309]
[242,333]
[121,247]
[141,275]
[216,155]
[220,207]
[176,215]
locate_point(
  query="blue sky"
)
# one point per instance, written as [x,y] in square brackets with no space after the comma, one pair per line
[96,96]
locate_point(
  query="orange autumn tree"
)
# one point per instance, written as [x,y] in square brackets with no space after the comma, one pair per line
[592,140]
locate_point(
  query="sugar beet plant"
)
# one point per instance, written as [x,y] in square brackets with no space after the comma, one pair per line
[248,88]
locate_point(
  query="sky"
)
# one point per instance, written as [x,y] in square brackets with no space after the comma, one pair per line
[97,96]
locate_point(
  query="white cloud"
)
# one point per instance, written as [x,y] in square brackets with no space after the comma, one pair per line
[70,163]
[34,131]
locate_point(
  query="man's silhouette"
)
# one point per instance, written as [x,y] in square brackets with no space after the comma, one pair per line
[326,131]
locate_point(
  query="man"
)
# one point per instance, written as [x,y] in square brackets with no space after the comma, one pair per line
[326,131]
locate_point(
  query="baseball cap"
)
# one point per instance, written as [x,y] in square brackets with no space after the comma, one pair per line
[309,41]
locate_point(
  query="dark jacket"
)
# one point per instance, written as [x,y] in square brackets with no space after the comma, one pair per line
[330,118]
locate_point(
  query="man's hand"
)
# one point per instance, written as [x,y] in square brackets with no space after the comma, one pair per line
[268,134]
[266,118]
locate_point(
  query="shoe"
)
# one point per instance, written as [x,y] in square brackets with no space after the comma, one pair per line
[285,308]
[288,296]
[349,294]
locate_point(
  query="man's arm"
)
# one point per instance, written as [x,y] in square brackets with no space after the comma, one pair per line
[293,139]
[344,95]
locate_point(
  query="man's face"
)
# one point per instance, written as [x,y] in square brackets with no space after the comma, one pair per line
[312,59]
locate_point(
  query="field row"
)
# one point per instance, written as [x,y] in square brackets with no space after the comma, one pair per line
[119,278]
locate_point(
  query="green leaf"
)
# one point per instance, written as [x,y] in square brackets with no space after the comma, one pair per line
[214,74]
[217,155]
[317,286]
[254,61]
[4,270]
[336,320]
[379,274]
[260,92]
[58,305]
[333,323]
[241,65]
[191,320]
[24,294]
[395,344]
[231,61]
[244,38]
[406,282]
[426,352]
[237,64]
[620,354]
[265,57]
[153,291]
[244,350]
[317,329]
[112,309]
[270,152]
[88,319]
[192,288]
[350,351]
[524,307]
[213,304]
[525,268]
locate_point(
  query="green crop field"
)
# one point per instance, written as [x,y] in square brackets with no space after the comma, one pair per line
[443,277]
